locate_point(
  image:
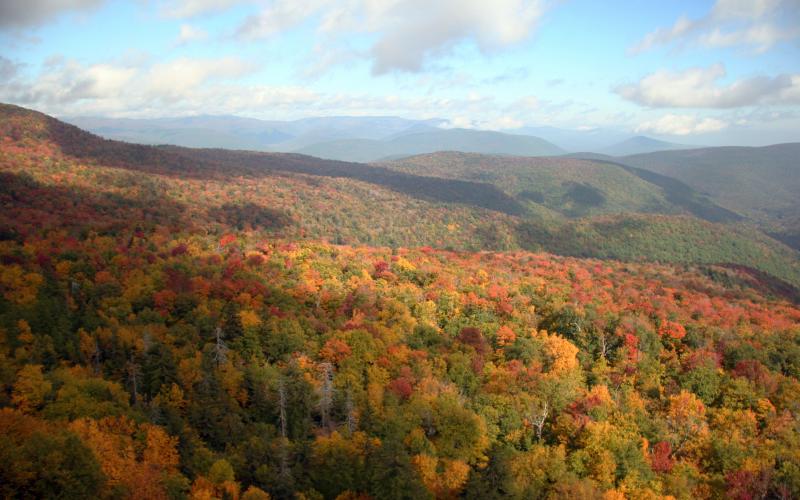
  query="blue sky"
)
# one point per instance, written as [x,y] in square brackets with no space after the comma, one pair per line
[710,72]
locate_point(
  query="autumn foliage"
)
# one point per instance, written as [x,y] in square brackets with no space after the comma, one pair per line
[149,350]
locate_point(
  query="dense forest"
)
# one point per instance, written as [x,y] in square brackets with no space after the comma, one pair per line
[172,327]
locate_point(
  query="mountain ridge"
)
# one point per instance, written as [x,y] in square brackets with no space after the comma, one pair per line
[642,144]
[465,140]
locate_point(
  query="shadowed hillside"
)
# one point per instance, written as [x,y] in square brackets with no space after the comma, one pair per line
[432,188]
[571,186]
[762,183]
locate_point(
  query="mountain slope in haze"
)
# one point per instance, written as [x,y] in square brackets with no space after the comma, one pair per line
[232,132]
[585,139]
[640,144]
[72,175]
[762,183]
[438,189]
[469,141]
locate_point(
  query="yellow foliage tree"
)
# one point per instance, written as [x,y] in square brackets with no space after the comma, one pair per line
[30,389]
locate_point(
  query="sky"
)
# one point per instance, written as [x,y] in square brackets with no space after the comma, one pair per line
[695,72]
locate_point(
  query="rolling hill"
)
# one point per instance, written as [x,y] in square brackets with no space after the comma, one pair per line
[571,187]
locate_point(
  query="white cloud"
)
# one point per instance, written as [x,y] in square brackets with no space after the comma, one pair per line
[137,87]
[500,122]
[67,81]
[17,14]
[504,122]
[527,103]
[189,33]
[407,33]
[760,36]
[681,125]
[698,88]
[279,16]
[171,79]
[758,24]
[416,30]
[65,85]
[744,9]
[182,9]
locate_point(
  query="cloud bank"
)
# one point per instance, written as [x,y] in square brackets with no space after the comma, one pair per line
[405,34]
[700,88]
[681,125]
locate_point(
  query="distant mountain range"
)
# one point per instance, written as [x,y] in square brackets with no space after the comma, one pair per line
[464,140]
[364,138]
[233,132]
[584,139]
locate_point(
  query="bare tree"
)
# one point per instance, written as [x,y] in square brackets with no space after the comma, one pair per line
[284,472]
[134,370]
[352,421]
[220,349]
[538,416]
[604,346]
[326,396]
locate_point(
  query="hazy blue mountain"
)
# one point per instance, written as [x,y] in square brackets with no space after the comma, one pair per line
[464,140]
[590,139]
[641,144]
[233,132]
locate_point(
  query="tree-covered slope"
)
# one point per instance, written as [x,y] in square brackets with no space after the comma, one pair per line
[160,360]
[634,237]
[569,186]
[762,183]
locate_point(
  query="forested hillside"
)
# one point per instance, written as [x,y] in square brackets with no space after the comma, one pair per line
[762,183]
[572,187]
[173,327]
